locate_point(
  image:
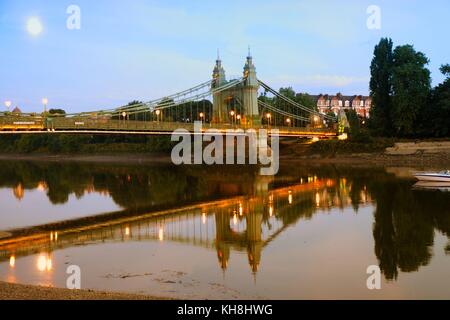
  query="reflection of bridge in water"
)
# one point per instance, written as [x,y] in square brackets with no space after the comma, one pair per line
[240,223]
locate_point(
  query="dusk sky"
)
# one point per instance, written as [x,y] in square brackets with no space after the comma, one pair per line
[128,50]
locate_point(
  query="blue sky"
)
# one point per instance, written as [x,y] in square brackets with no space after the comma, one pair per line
[140,49]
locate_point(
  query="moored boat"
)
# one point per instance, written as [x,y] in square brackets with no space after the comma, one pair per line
[432,185]
[443,176]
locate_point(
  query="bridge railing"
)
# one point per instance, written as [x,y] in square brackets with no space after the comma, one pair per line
[27,123]
[20,122]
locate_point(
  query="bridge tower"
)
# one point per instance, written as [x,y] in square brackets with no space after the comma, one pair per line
[219,107]
[250,93]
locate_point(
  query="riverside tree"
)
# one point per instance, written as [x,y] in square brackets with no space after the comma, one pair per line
[381,88]
[400,87]
[437,111]
[411,85]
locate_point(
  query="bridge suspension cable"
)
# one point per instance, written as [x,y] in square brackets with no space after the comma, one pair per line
[160,104]
[144,106]
[295,104]
[282,112]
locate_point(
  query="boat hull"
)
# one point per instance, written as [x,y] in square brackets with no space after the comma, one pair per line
[432,185]
[433,177]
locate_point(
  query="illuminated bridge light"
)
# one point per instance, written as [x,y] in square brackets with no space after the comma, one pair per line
[12,261]
[161,234]
[204,218]
[44,263]
[42,186]
[127,231]
[53,236]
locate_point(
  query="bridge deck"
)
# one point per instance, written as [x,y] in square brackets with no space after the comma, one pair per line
[20,124]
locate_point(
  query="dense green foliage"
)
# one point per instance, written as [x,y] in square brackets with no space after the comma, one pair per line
[85,144]
[437,112]
[301,98]
[381,87]
[404,104]
[411,86]
[57,111]
[365,145]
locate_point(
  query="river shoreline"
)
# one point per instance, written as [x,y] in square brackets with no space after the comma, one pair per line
[439,159]
[13,291]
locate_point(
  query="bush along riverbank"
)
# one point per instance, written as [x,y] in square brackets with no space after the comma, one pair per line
[335,147]
[83,144]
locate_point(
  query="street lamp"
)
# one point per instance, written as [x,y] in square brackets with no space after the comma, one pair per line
[316,119]
[45,103]
[232,113]
[268,116]
[238,117]
[7,104]
[201,116]
[157,114]
[288,121]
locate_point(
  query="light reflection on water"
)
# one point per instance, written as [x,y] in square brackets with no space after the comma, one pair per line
[309,233]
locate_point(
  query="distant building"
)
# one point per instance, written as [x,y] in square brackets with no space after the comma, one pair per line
[326,103]
[16,110]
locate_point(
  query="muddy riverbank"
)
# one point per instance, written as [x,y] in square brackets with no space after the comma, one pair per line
[10,291]
[421,159]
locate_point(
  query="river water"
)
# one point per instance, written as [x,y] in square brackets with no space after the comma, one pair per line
[224,232]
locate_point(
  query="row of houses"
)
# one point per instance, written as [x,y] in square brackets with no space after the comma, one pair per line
[334,103]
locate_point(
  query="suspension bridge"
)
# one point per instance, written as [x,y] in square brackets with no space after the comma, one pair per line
[242,103]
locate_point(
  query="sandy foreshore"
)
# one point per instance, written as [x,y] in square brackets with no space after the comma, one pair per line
[9,291]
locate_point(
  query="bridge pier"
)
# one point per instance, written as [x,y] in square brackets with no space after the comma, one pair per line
[250,94]
[246,93]
[219,110]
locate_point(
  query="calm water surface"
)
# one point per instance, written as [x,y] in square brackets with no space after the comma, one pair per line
[205,232]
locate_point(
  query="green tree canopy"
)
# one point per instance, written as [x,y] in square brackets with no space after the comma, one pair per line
[306,100]
[381,88]
[57,111]
[437,112]
[445,69]
[411,84]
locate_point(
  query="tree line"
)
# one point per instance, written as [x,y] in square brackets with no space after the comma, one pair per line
[404,104]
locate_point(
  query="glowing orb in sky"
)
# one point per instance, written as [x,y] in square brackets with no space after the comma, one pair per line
[34,26]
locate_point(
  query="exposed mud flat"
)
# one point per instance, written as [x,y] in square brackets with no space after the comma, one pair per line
[9,291]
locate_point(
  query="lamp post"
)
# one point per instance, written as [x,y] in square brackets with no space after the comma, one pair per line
[124,115]
[201,115]
[232,113]
[238,117]
[45,103]
[268,116]
[157,112]
[7,104]
[316,119]
[288,121]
